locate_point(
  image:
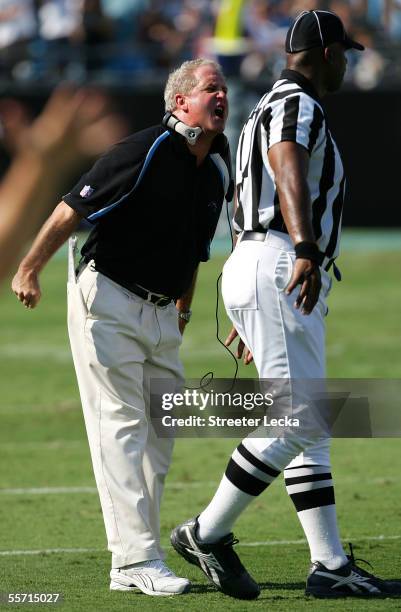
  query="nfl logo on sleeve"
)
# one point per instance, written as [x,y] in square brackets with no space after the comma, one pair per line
[86,191]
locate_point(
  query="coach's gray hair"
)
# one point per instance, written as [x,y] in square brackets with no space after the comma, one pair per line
[182,80]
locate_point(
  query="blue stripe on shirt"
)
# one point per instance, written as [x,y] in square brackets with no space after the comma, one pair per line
[148,158]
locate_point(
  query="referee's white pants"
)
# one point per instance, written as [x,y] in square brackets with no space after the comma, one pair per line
[285,343]
[119,342]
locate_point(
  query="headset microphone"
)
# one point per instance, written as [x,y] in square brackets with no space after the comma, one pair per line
[191,134]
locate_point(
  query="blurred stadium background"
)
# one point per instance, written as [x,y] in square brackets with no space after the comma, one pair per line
[47,496]
[127,47]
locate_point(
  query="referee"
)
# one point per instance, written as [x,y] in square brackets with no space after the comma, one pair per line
[290,188]
[154,201]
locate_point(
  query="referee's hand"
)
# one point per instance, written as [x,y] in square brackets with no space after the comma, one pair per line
[307,274]
[242,350]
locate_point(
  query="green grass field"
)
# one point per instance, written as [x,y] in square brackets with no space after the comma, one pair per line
[47,497]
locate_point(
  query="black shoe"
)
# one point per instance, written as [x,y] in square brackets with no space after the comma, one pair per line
[218,561]
[348,581]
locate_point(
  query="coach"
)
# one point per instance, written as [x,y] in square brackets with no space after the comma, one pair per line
[154,200]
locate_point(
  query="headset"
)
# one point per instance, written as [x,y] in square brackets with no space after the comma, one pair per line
[191,134]
[207,378]
[234,378]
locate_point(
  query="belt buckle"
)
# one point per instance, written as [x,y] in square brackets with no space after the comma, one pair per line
[159,300]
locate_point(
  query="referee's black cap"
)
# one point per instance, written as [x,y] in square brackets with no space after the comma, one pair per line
[317,29]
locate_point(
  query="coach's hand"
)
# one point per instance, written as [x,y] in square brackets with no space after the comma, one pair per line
[242,350]
[182,325]
[307,274]
[26,287]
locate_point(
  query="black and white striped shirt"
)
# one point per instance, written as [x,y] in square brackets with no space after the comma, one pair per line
[290,111]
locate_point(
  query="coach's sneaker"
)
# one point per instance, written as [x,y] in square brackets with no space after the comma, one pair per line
[218,561]
[348,581]
[150,577]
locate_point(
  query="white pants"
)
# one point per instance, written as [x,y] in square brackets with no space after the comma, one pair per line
[119,342]
[285,343]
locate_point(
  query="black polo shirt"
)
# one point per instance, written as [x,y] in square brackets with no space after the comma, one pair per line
[154,211]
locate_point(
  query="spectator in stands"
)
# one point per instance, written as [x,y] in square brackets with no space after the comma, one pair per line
[165,42]
[394,25]
[266,39]
[267,36]
[297,6]
[97,31]
[124,14]
[17,28]
[59,26]
[280,13]
[126,37]
[126,54]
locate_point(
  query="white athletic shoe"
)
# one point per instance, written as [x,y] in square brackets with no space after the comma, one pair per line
[150,577]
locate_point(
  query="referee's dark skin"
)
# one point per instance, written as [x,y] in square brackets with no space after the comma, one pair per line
[325,68]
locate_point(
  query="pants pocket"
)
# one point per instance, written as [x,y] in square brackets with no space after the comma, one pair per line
[239,284]
[283,270]
[87,283]
[327,282]
[324,292]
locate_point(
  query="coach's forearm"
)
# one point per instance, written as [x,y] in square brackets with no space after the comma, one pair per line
[183,304]
[56,230]
[24,203]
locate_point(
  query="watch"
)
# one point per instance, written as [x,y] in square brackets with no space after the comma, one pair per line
[185,315]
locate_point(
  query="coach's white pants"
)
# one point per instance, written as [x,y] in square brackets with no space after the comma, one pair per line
[119,342]
[285,343]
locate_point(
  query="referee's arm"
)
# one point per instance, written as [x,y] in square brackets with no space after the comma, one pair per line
[290,162]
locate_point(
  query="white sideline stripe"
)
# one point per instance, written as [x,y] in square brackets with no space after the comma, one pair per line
[16,553]
[48,490]
[303,541]
[11,553]
[62,353]
[72,490]
[170,485]
[38,446]
[57,352]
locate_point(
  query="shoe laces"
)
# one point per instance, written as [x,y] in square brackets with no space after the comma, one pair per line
[231,540]
[230,556]
[352,558]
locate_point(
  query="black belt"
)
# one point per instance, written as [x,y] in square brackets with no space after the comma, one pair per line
[148,296]
[260,236]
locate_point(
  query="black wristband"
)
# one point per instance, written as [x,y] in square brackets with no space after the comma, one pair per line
[308,250]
